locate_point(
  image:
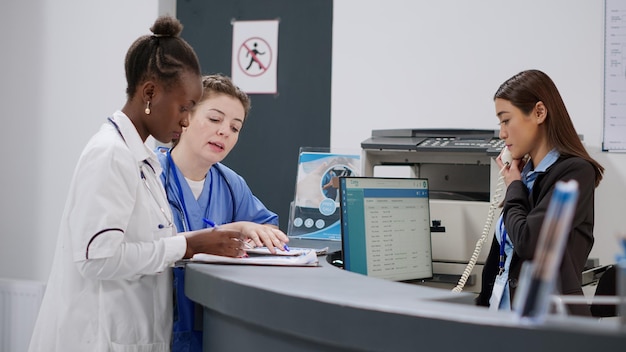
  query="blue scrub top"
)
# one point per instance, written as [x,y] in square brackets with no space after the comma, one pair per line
[225,198]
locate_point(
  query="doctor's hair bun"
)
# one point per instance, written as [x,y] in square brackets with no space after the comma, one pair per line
[163,56]
[166,26]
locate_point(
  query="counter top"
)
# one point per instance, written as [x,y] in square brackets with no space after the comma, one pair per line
[327,308]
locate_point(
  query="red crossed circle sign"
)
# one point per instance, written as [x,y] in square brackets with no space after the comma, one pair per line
[254,57]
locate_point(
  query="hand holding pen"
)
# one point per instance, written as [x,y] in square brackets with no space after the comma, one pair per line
[242,244]
[224,242]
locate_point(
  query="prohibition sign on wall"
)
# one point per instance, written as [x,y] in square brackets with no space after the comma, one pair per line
[255,57]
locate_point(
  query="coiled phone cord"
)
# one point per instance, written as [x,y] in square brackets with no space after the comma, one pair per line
[483,237]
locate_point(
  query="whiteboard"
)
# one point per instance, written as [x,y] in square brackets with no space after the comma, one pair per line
[614,138]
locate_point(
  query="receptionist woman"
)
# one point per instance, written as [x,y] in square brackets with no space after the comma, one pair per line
[537,129]
[203,192]
[110,287]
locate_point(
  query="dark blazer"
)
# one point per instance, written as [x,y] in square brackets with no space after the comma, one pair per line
[524,212]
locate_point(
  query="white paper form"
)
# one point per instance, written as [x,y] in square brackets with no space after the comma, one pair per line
[614,138]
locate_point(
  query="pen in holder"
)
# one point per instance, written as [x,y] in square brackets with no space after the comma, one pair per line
[537,279]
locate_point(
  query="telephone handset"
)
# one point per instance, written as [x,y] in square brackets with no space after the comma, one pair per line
[506,156]
[507,159]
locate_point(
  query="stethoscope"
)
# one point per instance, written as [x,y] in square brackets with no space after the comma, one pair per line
[180,205]
[168,219]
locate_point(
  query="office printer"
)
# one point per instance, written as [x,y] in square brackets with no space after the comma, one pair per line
[463,176]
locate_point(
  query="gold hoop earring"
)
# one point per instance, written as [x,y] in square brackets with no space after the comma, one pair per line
[147,111]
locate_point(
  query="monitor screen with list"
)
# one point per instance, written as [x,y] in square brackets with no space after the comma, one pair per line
[385,227]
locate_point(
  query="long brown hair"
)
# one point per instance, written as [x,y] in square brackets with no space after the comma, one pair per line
[525,90]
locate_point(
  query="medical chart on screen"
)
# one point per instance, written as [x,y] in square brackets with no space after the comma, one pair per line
[390,225]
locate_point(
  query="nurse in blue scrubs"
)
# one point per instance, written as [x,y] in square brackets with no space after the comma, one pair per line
[202,192]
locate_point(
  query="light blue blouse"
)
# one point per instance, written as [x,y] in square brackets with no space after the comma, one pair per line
[529,175]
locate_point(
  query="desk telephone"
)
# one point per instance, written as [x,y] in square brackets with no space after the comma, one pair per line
[507,159]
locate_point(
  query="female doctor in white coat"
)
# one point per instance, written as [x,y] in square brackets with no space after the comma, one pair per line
[110,288]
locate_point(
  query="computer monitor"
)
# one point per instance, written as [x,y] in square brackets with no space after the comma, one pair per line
[385,227]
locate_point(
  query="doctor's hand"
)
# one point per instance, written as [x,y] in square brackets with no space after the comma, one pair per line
[216,241]
[259,235]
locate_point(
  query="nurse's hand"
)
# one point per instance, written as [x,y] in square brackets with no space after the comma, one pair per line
[216,241]
[259,235]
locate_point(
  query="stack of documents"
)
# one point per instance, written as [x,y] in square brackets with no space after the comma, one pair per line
[262,256]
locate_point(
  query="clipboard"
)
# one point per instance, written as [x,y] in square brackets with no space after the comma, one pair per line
[305,258]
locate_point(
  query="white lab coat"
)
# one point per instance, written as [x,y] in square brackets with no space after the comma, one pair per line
[110,288]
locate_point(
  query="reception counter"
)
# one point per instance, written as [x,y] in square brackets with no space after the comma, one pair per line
[265,308]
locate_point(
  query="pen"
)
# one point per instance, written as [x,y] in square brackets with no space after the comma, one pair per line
[286,248]
[209,222]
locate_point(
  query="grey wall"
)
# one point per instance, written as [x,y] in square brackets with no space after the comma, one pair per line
[62,69]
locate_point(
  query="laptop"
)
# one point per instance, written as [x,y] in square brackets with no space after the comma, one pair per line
[385,227]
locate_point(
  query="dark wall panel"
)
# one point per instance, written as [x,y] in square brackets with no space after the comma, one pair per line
[279,124]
